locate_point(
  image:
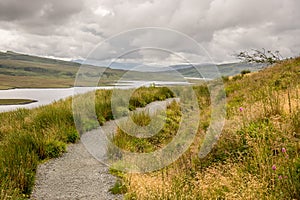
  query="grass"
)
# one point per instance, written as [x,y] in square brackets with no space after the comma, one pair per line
[256,157]
[146,145]
[16,101]
[29,137]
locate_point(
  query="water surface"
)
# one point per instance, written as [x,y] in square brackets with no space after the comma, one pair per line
[45,96]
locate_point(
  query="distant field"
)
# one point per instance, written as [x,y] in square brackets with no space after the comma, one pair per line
[16,101]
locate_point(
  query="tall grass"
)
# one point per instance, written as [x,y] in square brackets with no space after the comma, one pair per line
[28,137]
[257,155]
[146,145]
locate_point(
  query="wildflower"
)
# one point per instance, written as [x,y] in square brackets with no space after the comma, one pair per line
[274,167]
[283,150]
[241,109]
[279,177]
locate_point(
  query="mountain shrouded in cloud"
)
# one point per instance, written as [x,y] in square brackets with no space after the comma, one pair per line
[71,29]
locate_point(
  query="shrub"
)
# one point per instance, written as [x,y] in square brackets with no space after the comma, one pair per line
[245,72]
[225,78]
[237,77]
[118,188]
[72,136]
[55,148]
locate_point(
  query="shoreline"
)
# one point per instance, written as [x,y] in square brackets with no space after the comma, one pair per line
[12,102]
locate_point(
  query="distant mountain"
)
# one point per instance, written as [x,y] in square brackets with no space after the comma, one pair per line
[186,70]
[236,68]
[122,66]
[114,65]
[229,69]
[21,70]
[10,55]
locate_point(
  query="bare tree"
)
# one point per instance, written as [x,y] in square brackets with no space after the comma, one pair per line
[260,56]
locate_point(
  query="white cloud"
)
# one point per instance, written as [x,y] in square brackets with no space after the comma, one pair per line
[103,11]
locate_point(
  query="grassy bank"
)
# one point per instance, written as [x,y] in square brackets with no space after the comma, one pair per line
[16,101]
[28,137]
[256,157]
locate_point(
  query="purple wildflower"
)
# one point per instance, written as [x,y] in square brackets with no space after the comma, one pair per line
[279,177]
[241,109]
[274,167]
[283,150]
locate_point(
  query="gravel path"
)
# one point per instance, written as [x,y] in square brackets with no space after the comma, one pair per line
[77,174]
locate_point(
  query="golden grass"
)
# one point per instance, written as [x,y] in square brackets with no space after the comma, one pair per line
[263,135]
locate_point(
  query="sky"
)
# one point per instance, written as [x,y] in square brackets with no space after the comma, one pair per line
[74,29]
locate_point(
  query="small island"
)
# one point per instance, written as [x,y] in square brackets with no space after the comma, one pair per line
[16,101]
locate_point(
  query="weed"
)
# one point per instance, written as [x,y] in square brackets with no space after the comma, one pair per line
[118,188]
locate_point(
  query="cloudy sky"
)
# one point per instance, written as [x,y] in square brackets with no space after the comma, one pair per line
[72,29]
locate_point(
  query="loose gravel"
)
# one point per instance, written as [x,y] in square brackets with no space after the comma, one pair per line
[77,174]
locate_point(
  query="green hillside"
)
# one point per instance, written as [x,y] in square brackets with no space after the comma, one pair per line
[228,69]
[257,155]
[26,71]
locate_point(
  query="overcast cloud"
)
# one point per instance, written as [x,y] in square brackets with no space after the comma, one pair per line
[71,29]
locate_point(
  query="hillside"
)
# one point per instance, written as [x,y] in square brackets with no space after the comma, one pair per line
[19,71]
[228,69]
[256,157]
[27,71]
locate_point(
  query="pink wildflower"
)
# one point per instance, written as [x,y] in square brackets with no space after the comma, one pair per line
[274,167]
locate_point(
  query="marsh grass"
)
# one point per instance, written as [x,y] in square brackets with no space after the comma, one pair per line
[28,137]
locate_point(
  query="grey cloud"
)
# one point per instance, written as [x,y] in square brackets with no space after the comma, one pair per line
[39,16]
[11,10]
[74,28]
